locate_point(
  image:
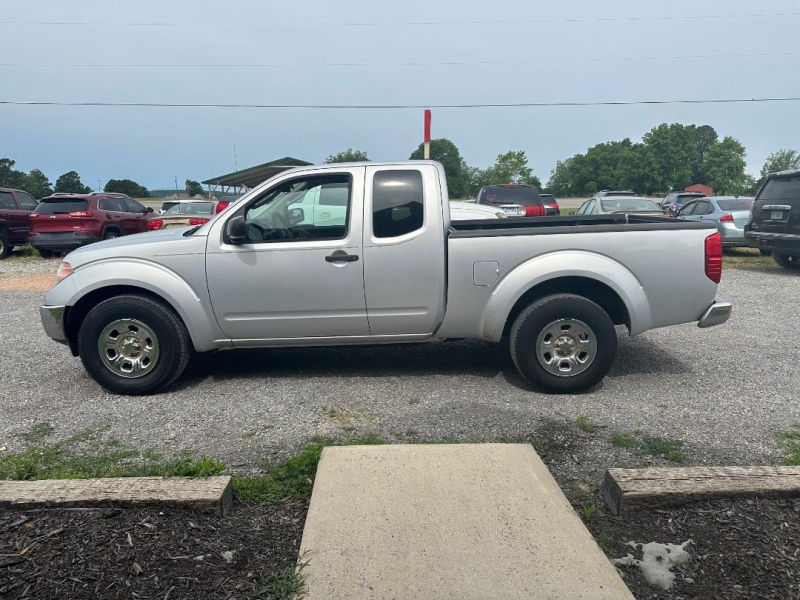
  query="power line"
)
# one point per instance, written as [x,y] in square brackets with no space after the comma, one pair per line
[397,64]
[401,106]
[403,23]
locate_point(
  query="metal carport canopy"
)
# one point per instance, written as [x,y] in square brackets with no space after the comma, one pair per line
[251,177]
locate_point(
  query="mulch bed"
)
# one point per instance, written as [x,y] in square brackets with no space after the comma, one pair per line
[148,553]
[744,548]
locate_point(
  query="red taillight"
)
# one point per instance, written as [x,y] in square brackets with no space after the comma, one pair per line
[222,205]
[726,218]
[82,234]
[80,213]
[34,215]
[534,210]
[553,205]
[197,221]
[155,224]
[714,257]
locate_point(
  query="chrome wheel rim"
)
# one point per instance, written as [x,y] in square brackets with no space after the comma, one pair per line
[128,348]
[566,347]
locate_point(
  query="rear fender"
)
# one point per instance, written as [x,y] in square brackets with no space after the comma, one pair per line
[571,263]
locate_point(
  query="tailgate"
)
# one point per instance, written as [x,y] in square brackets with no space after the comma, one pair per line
[54,215]
[777,206]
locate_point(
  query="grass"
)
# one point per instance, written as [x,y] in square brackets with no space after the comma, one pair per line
[589,512]
[587,425]
[790,443]
[85,456]
[293,478]
[37,433]
[747,258]
[287,584]
[654,446]
[605,543]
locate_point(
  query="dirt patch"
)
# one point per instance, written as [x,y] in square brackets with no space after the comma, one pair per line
[745,548]
[26,283]
[147,553]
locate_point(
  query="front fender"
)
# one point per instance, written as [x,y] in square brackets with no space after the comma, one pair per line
[191,302]
[570,263]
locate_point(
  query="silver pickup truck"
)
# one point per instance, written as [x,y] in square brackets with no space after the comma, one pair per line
[389,268]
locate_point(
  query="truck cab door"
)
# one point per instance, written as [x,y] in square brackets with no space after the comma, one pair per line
[291,277]
[404,249]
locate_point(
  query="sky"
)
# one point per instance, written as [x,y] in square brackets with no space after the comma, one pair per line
[155,145]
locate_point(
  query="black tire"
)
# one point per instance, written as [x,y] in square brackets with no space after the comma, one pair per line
[110,234]
[787,261]
[5,248]
[763,252]
[541,314]
[46,254]
[173,342]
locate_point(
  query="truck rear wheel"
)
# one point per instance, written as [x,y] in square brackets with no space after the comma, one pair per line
[787,261]
[133,345]
[563,344]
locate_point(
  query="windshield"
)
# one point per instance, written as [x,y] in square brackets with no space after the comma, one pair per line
[524,195]
[58,206]
[628,204]
[191,208]
[735,204]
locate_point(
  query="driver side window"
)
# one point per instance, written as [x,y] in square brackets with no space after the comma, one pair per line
[290,212]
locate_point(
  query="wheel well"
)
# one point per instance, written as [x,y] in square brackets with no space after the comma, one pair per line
[596,291]
[109,228]
[77,313]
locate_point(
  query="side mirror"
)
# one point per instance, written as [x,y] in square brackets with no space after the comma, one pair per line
[236,230]
[149,209]
[296,216]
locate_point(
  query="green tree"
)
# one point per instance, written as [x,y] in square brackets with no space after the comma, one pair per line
[348,155]
[126,186]
[9,176]
[193,188]
[446,152]
[725,167]
[511,167]
[37,184]
[673,146]
[70,183]
[705,136]
[781,160]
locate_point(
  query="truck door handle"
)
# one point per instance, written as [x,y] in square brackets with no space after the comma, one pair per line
[340,256]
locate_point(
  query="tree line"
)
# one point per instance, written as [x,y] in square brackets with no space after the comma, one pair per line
[38,185]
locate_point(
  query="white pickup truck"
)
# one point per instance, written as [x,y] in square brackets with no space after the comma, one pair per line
[393,268]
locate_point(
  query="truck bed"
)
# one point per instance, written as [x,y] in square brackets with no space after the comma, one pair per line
[570,224]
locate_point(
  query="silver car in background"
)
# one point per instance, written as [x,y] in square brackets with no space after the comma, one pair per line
[729,213]
[605,205]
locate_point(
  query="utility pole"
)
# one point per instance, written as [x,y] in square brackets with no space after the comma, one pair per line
[98,186]
[235,164]
[176,186]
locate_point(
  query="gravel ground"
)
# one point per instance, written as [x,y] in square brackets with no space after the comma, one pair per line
[722,391]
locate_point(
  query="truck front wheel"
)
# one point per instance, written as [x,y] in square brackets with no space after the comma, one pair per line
[133,344]
[563,343]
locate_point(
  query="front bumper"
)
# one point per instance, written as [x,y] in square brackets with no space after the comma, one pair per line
[716,314]
[53,322]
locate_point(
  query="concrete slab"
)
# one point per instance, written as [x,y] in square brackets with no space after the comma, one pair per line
[447,521]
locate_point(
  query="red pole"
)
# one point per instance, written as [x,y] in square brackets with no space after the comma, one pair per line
[427,139]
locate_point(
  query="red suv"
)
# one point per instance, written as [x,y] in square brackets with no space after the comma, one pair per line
[15,206]
[63,222]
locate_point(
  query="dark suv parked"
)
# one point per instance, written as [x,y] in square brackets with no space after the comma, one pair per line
[775,218]
[526,196]
[15,206]
[68,221]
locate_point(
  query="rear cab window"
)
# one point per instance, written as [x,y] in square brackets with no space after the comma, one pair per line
[735,204]
[61,206]
[397,203]
[781,188]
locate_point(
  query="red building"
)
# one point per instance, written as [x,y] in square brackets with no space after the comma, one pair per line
[699,187]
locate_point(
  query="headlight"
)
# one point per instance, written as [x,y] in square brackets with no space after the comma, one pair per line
[64,270]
